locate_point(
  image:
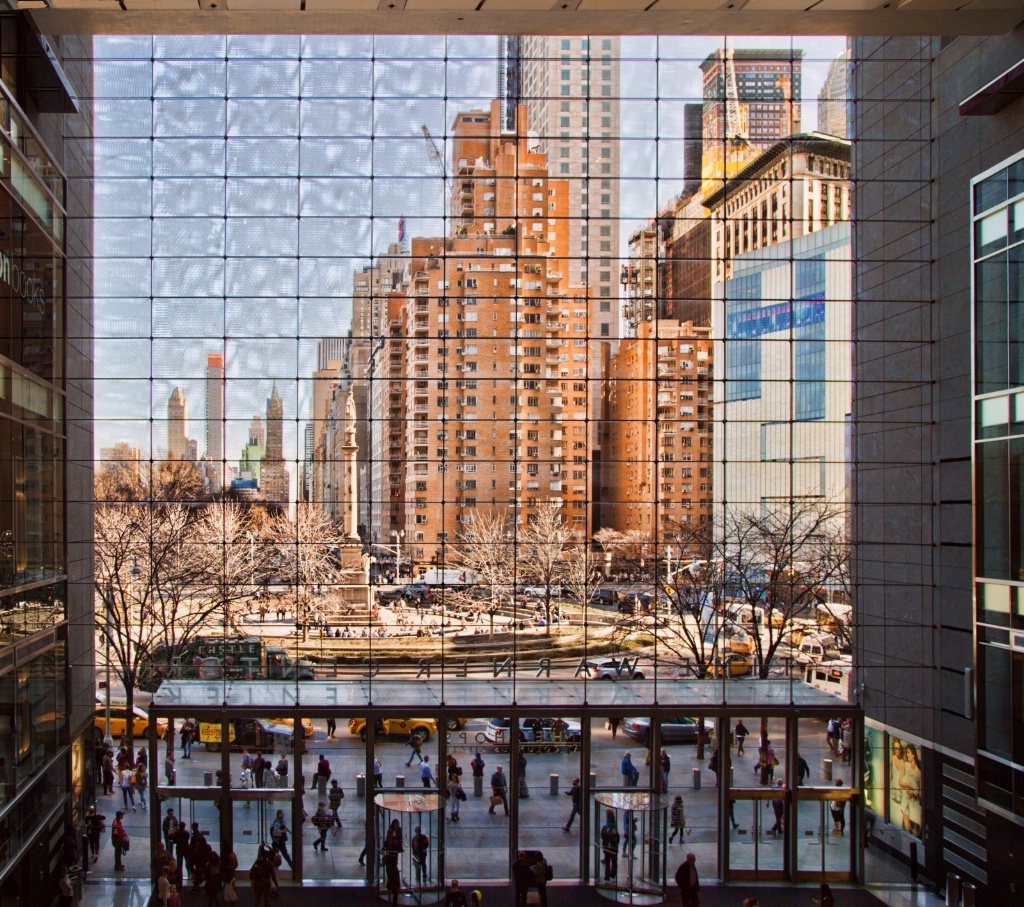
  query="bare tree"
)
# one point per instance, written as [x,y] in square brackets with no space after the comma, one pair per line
[487,550]
[627,550]
[772,565]
[542,545]
[309,546]
[835,592]
[581,574]
[147,569]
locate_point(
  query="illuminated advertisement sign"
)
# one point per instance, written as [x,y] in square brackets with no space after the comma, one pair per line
[905,786]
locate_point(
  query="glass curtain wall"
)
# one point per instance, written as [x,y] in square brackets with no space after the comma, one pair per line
[446,358]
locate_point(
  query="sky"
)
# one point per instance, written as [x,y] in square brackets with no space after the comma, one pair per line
[259,266]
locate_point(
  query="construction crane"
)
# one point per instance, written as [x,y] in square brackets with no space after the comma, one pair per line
[735,128]
[434,153]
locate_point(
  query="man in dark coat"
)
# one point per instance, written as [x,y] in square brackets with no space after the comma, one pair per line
[688,881]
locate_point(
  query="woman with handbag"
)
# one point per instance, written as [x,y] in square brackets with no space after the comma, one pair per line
[455,795]
[141,783]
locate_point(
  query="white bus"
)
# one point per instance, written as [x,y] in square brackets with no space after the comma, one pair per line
[833,677]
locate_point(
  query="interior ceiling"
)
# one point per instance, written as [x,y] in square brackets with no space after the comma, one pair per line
[620,17]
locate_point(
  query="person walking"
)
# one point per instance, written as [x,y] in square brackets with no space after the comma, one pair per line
[454,897]
[187,731]
[181,840]
[64,887]
[281,769]
[332,727]
[128,787]
[108,773]
[613,724]
[455,795]
[803,770]
[689,881]
[476,766]
[94,826]
[259,769]
[393,848]
[321,822]
[427,773]
[214,882]
[778,807]
[677,819]
[713,765]
[741,733]
[168,827]
[279,832]
[334,797]
[119,838]
[629,823]
[610,846]
[141,783]
[837,807]
[259,880]
[846,737]
[576,792]
[665,764]
[170,771]
[630,773]
[420,848]
[378,773]
[415,743]
[499,790]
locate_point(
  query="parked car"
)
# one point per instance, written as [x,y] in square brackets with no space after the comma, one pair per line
[119,723]
[531,729]
[673,730]
[606,598]
[615,669]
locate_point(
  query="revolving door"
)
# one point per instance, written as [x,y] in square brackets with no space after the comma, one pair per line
[411,848]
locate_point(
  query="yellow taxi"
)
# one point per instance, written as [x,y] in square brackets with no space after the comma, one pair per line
[119,723]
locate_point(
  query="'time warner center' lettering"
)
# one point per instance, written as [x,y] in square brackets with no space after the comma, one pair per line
[29,288]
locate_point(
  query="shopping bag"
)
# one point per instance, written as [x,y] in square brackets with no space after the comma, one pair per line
[495,801]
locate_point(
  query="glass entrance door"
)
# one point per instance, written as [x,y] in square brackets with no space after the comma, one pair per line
[826,834]
[757,844]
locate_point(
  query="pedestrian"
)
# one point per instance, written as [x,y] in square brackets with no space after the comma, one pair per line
[455,795]
[141,784]
[119,838]
[230,892]
[415,743]
[247,760]
[453,766]
[846,738]
[677,819]
[778,807]
[321,822]
[214,882]
[499,790]
[610,846]
[420,848]
[180,839]
[332,727]
[688,881]
[427,773]
[838,809]
[323,775]
[527,875]
[826,899]
[64,886]
[803,770]
[334,796]
[186,739]
[174,899]
[732,814]
[576,793]
[613,724]
[393,848]
[94,827]
[630,773]
[128,787]
[741,733]
[666,767]
[713,765]
[453,896]
[170,772]
[260,766]
[168,827]
[247,782]
[832,735]
[524,790]
[629,823]
[378,773]
[476,766]
[108,773]
[163,887]
[281,771]
[259,880]
[279,832]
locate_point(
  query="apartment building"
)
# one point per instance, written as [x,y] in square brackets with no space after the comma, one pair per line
[658,435]
[497,348]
